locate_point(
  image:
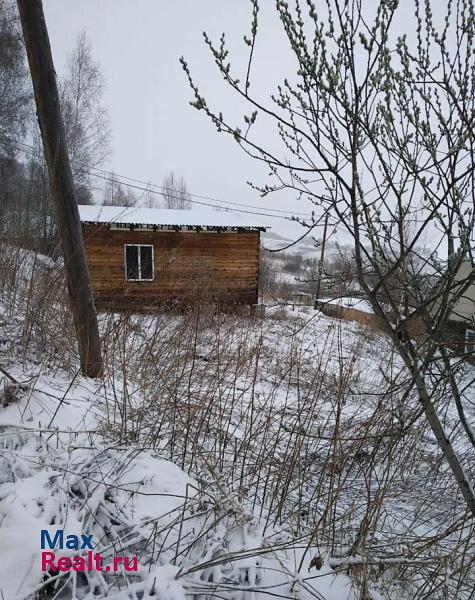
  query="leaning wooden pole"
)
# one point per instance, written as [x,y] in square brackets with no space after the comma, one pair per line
[45,88]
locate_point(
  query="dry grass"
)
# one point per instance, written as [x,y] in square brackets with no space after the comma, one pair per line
[307,441]
[302,428]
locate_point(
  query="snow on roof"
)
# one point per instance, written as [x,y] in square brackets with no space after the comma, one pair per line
[196,217]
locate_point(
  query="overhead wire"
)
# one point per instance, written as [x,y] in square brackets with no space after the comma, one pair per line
[118,178]
[212,199]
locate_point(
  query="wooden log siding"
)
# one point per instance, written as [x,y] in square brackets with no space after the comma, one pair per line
[188,266]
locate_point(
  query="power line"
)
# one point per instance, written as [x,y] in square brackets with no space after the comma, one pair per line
[161,187]
[143,189]
[268,213]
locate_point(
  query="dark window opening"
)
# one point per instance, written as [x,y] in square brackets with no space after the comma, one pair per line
[146,262]
[138,262]
[470,340]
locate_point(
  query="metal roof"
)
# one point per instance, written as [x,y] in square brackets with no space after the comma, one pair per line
[196,218]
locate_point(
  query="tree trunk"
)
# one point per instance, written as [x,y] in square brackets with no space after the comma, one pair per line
[43,76]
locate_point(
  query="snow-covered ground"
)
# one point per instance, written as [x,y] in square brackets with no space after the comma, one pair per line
[57,473]
[60,470]
[350,302]
[236,458]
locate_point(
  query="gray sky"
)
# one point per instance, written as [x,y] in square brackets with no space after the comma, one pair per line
[138,45]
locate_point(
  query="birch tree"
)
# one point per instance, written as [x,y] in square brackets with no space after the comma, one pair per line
[15,95]
[86,120]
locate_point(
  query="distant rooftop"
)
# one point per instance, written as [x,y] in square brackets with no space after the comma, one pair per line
[150,218]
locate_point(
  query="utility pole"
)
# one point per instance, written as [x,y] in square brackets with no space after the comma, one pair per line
[43,75]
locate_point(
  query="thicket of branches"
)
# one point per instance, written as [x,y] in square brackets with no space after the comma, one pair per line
[376,127]
[302,435]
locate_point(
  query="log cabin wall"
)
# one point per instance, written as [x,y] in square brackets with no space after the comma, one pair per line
[189,266]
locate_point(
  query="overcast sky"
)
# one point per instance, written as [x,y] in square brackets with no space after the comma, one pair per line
[138,45]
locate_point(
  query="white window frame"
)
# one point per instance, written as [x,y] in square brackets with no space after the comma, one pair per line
[140,266]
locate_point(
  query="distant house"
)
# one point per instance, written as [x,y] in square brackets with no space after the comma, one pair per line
[458,329]
[461,323]
[141,257]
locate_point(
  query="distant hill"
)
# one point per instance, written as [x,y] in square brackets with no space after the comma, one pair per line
[307,248]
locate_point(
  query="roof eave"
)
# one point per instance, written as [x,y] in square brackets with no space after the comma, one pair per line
[175,227]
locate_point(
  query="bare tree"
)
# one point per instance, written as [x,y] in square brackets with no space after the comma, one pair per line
[116,194]
[175,192]
[85,118]
[149,197]
[376,130]
[15,94]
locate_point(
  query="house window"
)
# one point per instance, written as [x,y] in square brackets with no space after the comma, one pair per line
[470,340]
[138,262]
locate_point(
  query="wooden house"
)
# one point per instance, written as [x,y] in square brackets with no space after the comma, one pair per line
[460,327]
[141,257]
